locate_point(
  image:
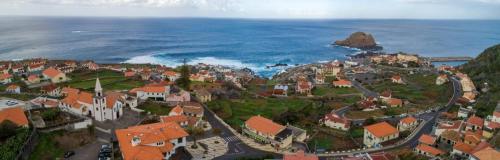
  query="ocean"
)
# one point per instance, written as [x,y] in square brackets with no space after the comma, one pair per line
[251,43]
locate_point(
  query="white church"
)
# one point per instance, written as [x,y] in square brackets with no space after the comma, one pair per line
[101,106]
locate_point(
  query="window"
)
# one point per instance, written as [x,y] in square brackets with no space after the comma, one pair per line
[179,140]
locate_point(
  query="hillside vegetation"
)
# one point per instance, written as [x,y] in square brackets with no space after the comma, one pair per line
[486,69]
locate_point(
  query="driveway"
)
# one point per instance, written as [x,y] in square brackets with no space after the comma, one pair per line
[89,151]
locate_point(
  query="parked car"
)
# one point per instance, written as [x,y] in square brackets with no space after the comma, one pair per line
[105,146]
[69,154]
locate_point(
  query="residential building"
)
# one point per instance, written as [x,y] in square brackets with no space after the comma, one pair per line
[5,78]
[428,151]
[397,79]
[35,67]
[449,125]
[182,120]
[155,91]
[387,94]
[15,115]
[33,79]
[394,102]
[51,90]
[171,75]
[157,141]
[335,121]
[342,83]
[177,110]
[203,95]
[13,89]
[427,139]
[177,98]
[464,112]
[487,153]
[280,90]
[54,75]
[378,133]
[474,123]
[266,131]
[304,87]
[407,123]
[450,137]
[332,68]
[462,149]
[442,79]
[319,79]
[45,102]
[495,117]
[192,109]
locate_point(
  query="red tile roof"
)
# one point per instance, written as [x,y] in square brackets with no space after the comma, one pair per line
[408,120]
[381,129]
[462,147]
[15,115]
[5,76]
[474,120]
[427,139]
[148,134]
[51,72]
[429,149]
[342,82]
[264,125]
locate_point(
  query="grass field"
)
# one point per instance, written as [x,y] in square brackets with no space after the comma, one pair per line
[155,108]
[235,112]
[420,89]
[330,91]
[333,141]
[53,145]
[110,80]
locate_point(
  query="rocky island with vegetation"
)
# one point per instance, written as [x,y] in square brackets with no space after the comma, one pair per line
[360,40]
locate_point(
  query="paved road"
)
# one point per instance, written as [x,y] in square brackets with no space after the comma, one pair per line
[237,149]
[430,117]
[360,87]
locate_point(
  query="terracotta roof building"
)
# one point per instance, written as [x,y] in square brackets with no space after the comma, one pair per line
[155,141]
[407,123]
[15,115]
[428,150]
[380,132]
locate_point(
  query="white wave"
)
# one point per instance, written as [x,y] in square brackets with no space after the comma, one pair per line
[77,31]
[152,60]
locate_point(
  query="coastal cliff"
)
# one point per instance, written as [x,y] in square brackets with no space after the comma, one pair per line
[485,68]
[359,40]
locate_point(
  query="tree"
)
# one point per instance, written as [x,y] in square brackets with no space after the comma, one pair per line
[184,80]
[7,129]
[195,132]
[369,121]
[50,114]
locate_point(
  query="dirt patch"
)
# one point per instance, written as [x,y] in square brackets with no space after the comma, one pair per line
[71,140]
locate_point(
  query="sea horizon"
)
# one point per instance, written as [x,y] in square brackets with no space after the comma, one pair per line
[236,42]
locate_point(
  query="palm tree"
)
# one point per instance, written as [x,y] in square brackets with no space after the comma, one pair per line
[195,132]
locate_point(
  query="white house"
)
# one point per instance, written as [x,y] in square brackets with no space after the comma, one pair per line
[407,123]
[378,133]
[13,89]
[5,78]
[156,92]
[157,141]
[333,120]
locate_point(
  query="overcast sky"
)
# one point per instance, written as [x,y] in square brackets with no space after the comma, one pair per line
[411,9]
